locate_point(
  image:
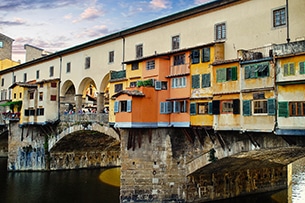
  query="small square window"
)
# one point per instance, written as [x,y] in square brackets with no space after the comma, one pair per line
[220,31]
[87,62]
[53,84]
[175,42]
[68,70]
[139,51]
[53,97]
[51,71]
[111,57]
[279,17]
[135,66]
[31,95]
[118,87]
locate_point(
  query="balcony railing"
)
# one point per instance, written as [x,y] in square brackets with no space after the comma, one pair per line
[179,69]
[115,75]
[289,48]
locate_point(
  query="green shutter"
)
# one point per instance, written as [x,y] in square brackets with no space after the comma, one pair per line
[206,54]
[205,81]
[271,106]
[247,107]
[291,69]
[283,109]
[210,108]
[285,69]
[234,73]
[195,56]
[193,108]
[253,72]
[221,75]
[302,67]
[247,72]
[196,81]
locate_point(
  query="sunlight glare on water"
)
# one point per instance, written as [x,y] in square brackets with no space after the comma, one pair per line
[298,188]
[111,176]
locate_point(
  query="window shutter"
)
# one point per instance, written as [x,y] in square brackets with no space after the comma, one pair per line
[205,80]
[253,72]
[291,69]
[129,102]
[193,108]
[169,107]
[283,109]
[196,81]
[206,54]
[302,67]
[210,108]
[247,72]
[285,69]
[221,75]
[158,85]
[162,107]
[195,56]
[247,107]
[176,106]
[116,106]
[236,107]
[271,106]
[215,107]
[184,106]
[234,73]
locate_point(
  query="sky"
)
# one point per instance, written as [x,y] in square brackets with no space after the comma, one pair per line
[55,25]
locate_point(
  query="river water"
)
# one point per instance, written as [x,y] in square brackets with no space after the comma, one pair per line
[86,186]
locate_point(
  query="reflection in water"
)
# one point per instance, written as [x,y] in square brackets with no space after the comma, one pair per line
[298,189]
[55,186]
[111,176]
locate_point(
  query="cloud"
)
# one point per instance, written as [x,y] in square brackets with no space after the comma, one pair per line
[89,14]
[16,21]
[8,5]
[159,4]
[94,32]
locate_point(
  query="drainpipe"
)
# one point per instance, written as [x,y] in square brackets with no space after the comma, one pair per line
[123,51]
[287,21]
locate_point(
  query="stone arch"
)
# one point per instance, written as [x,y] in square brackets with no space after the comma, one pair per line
[67,94]
[92,127]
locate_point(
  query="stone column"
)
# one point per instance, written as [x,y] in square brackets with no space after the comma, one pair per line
[100,101]
[78,102]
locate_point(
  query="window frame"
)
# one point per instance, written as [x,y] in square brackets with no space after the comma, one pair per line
[220,31]
[87,62]
[111,57]
[139,50]
[175,42]
[299,107]
[282,21]
[179,59]
[68,67]
[118,87]
[150,65]
[51,71]
[179,82]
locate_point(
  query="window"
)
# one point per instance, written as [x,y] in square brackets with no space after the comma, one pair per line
[31,95]
[175,42]
[51,71]
[1,44]
[160,85]
[37,74]
[15,95]
[196,81]
[205,80]
[206,54]
[297,108]
[135,66]
[289,69]
[179,59]
[257,71]
[132,84]
[31,112]
[87,62]
[53,97]
[41,85]
[220,31]
[122,106]
[195,56]
[3,94]
[166,107]
[40,112]
[24,77]
[40,96]
[179,82]
[150,65]
[20,94]
[2,82]
[302,67]
[179,106]
[14,79]
[203,108]
[118,87]
[111,57]
[68,68]
[53,84]
[139,51]
[260,107]
[279,17]
[226,74]
[227,106]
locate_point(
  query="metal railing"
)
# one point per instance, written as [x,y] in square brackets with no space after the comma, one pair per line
[85,117]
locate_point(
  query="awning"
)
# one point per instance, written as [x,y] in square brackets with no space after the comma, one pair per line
[11,103]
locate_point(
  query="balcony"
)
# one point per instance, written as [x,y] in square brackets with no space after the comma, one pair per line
[10,116]
[182,69]
[117,75]
[102,118]
[289,48]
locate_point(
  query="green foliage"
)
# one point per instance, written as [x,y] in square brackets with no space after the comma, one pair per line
[145,83]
